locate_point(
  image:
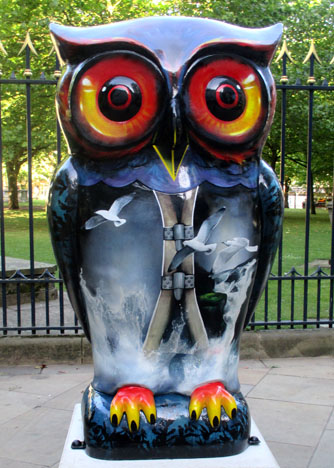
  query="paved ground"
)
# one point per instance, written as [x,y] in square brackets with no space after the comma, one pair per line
[291,400]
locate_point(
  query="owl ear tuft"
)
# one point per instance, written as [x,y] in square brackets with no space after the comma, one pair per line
[61,44]
[273,35]
[73,44]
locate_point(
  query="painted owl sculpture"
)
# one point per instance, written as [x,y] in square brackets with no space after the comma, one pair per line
[165,223]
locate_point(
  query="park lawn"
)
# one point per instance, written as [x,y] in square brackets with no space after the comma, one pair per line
[293,254]
[17,234]
[17,245]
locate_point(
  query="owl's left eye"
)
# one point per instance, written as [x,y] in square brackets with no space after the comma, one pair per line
[116,102]
[226,101]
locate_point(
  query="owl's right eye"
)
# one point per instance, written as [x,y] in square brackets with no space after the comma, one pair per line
[225,98]
[226,102]
[116,102]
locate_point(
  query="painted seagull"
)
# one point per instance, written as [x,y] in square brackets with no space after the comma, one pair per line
[198,243]
[234,246]
[101,216]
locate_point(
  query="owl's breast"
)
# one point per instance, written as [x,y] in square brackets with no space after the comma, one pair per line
[121,251]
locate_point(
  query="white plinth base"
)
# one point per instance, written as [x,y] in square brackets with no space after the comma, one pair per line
[258,456]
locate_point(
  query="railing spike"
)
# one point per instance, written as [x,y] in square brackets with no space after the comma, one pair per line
[284,51]
[2,49]
[52,51]
[12,76]
[325,83]
[28,43]
[312,52]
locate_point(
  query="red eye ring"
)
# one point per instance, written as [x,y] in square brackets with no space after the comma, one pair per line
[227,105]
[119,97]
[229,122]
[115,125]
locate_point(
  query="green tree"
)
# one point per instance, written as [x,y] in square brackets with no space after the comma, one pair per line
[302,21]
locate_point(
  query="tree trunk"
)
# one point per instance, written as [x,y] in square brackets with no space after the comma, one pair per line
[12,175]
[274,157]
[312,197]
[286,191]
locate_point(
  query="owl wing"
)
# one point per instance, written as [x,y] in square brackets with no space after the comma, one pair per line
[62,217]
[209,224]
[271,209]
[94,221]
[120,203]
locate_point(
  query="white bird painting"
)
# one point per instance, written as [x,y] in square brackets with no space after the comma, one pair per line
[199,243]
[101,216]
[223,262]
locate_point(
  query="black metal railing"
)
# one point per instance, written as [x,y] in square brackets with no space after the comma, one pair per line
[50,315]
[293,275]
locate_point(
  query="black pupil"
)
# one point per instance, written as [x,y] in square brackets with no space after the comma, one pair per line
[228,95]
[119,96]
[225,98]
[120,99]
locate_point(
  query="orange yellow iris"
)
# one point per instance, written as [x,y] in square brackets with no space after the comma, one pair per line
[98,127]
[240,129]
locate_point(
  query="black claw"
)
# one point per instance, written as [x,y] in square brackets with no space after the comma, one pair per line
[193,415]
[152,419]
[133,426]
[78,444]
[233,413]
[215,422]
[253,440]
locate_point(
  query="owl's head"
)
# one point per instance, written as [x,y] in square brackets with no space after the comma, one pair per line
[167,86]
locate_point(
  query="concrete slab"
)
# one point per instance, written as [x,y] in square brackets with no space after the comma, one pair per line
[324,455]
[252,376]
[330,424]
[289,422]
[255,456]
[14,264]
[291,456]
[14,404]
[252,364]
[8,463]
[245,389]
[35,437]
[295,389]
[301,367]
[42,383]
[68,399]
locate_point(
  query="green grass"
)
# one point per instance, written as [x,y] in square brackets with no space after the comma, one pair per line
[17,245]
[293,256]
[17,233]
[294,238]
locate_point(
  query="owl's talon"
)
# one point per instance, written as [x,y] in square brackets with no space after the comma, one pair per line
[131,400]
[215,422]
[212,396]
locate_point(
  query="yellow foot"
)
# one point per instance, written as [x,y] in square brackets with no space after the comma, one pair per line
[131,400]
[212,396]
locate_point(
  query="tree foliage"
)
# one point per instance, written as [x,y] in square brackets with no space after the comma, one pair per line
[302,21]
